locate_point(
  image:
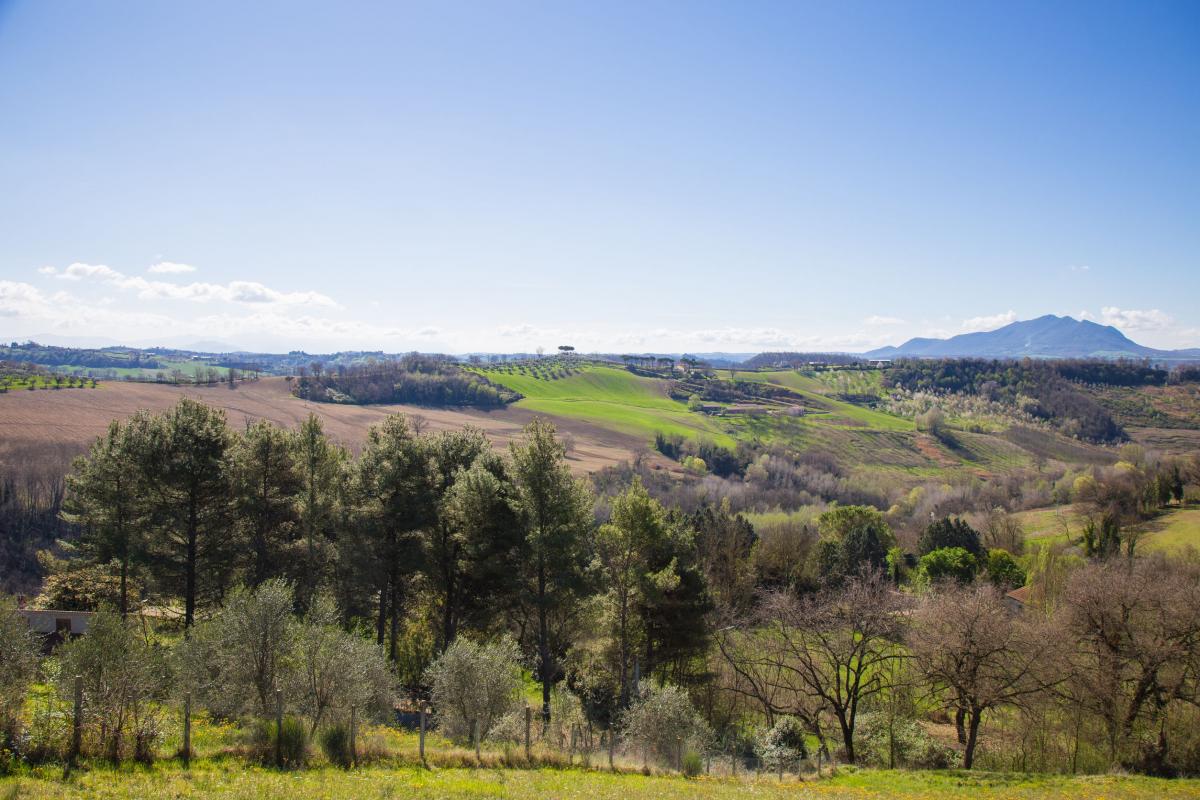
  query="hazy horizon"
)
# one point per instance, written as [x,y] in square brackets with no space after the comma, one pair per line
[674,177]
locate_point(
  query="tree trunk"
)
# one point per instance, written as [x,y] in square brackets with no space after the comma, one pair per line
[124,586]
[960,717]
[381,620]
[395,616]
[543,642]
[189,592]
[972,738]
[847,737]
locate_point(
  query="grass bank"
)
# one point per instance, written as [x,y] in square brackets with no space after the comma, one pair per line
[232,779]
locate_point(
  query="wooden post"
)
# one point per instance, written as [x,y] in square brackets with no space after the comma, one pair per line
[77,730]
[679,753]
[279,728]
[353,737]
[733,759]
[612,739]
[528,725]
[421,746]
[475,739]
[571,752]
[187,729]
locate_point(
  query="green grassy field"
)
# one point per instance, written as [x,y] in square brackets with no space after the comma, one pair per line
[820,391]
[612,398]
[1173,529]
[232,780]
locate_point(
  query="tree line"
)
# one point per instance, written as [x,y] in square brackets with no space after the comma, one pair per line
[416,379]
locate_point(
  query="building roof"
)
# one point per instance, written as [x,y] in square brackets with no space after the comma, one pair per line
[1020,595]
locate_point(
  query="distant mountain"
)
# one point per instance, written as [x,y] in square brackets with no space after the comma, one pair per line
[1045,337]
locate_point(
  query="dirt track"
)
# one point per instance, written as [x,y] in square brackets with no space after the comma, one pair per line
[71,418]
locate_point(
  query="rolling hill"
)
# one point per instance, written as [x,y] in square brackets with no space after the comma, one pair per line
[1048,336]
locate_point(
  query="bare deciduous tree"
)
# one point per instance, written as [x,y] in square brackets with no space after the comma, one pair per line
[972,651]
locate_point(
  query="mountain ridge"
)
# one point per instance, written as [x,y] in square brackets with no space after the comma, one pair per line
[1048,336]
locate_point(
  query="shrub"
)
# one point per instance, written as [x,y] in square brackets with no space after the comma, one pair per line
[335,744]
[1003,570]
[693,764]
[291,737]
[905,740]
[782,745]
[18,665]
[947,563]
[662,720]
[474,684]
[124,682]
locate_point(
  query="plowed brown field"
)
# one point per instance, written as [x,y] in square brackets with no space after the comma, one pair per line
[71,418]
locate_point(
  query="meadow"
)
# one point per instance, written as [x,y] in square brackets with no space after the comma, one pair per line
[610,397]
[1173,529]
[225,780]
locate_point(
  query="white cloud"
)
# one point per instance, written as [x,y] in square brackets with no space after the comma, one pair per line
[1079,268]
[988,323]
[1133,319]
[47,270]
[169,267]
[243,292]
[876,321]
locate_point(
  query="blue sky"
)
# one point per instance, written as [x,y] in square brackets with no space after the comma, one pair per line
[637,176]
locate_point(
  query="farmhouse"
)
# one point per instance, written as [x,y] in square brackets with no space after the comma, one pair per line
[55,626]
[1017,599]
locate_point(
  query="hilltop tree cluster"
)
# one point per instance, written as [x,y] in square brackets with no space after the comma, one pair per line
[416,379]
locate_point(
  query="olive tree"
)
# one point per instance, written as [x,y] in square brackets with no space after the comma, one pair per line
[236,660]
[663,722]
[124,679]
[18,667]
[336,670]
[475,684]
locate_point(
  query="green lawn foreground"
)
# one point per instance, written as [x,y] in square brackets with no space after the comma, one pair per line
[233,779]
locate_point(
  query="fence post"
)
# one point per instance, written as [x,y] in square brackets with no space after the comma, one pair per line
[353,737]
[187,729]
[612,739]
[571,752]
[279,728]
[679,753]
[733,759]
[528,725]
[77,730]
[424,710]
[475,738]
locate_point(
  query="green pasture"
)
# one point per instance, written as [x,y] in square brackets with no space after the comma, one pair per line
[611,398]
[819,391]
[232,779]
[1172,530]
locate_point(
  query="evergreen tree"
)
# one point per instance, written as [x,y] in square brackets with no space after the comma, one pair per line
[265,483]
[106,497]
[556,513]
[188,487]
[950,532]
[392,485]
[320,466]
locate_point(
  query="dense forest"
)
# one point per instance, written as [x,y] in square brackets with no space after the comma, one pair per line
[798,360]
[50,356]
[1041,388]
[417,379]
